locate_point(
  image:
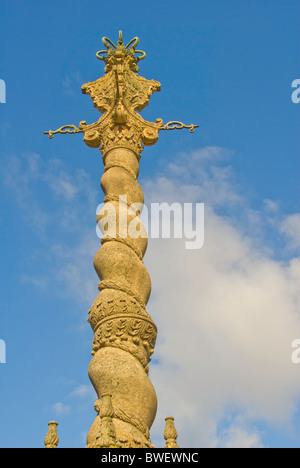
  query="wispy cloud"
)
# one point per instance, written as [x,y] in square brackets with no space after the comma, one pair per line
[291,228]
[34,182]
[60,408]
[53,201]
[83,391]
[236,436]
[71,83]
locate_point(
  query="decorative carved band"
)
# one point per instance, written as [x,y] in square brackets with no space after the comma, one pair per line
[129,316]
[131,333]
[119,304]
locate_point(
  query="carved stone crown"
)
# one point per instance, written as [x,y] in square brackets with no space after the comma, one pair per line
[119,94]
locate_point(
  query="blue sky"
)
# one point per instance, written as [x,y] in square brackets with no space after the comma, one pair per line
[228,67]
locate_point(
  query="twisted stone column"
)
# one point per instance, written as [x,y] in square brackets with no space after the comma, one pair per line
[124,332]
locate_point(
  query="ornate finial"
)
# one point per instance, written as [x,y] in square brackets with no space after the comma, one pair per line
[51,440]
[170,433]
[119,94]
[106,437]
[120,50]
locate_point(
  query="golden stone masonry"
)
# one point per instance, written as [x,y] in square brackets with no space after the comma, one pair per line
[124,332]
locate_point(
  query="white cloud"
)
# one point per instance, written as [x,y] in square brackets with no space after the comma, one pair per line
[291,228]
[34,183]
[72,272]
[83,391]
[71,83]
[226,314]
[270,205]
[60,408]
[237,436]
[71,194]
[19,175]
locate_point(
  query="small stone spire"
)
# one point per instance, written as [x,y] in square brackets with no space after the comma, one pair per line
[170,434]
[106,437]
[51,440]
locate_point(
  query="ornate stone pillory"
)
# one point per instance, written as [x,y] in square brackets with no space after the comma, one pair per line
[124,332]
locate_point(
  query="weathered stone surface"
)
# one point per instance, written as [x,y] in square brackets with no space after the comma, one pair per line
[134,400]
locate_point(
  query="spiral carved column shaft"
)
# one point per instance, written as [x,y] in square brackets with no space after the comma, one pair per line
[124,332]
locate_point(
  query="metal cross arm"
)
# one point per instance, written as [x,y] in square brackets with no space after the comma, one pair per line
[72,129]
